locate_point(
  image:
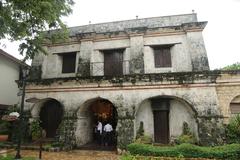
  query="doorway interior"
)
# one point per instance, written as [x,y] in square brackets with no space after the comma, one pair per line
[104,111]
[51,114]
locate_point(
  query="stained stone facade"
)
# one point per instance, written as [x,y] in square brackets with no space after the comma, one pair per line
[194,94]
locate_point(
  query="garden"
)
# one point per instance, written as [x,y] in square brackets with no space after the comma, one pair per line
[186,146]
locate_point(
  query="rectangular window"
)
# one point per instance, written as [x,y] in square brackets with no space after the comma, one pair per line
[113,62]
[162,56]
[68,62]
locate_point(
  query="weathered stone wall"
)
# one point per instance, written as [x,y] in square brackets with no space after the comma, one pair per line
[179,112]
[128,94]
[136,38]
[227,89]
[197,51]
[180,55]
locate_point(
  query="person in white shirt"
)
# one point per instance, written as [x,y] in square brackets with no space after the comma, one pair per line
[108,134]
[99,132]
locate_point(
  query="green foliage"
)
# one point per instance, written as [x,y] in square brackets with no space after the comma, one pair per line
[4,127]
[235,66]
[12,158]
[187,136]
[144,139]
[230,152]
[36,129]
[26,21]
[57,144]
[186,139]
[186,129]
[233,130]
[140,131]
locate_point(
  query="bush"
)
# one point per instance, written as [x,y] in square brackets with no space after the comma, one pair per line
[187,136]
[230,152]
[186,139]
[4,127]
[36,129]
[233,130]
[144,139]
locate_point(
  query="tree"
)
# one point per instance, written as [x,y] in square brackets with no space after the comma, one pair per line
[235,66]
[26,21]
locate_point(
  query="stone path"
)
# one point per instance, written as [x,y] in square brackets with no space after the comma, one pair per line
[73,155]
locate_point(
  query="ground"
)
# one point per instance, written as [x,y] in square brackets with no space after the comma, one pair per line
[73,155]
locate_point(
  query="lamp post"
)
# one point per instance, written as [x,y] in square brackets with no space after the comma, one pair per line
[23,81]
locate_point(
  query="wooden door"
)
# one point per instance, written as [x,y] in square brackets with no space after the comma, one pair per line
[161,126]
[161,119]
[113,62]
[50,116]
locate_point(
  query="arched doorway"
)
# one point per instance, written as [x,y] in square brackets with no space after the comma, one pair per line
[163,117]
[90,113]
[51,114]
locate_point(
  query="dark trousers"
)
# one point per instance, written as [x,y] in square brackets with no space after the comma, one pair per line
[99,137]
[108,138]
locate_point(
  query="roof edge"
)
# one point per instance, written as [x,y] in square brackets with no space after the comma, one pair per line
[12,58]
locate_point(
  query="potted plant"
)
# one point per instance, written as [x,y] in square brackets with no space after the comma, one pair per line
[4,130]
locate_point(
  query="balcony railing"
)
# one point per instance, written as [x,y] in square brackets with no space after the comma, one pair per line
[113,69]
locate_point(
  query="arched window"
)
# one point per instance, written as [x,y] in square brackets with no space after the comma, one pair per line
[235,106]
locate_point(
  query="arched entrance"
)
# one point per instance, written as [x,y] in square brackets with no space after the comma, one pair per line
[163,117]
[90,113]
[51,114]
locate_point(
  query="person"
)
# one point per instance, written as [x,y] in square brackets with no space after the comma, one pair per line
[99,132]
[108,134]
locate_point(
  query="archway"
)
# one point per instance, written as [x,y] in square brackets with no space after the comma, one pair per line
[90,113]
[163,118]
[235,106]
[51,114]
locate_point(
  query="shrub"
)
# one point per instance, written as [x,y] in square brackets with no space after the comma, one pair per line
[140,131]
[4,127]
[186,139]
[36,129]
[233,130]
[230,152]
[187,136]
[144,139]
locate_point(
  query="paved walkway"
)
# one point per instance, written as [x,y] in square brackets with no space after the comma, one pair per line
[73,155]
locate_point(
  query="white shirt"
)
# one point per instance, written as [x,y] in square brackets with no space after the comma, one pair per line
[99,127]
[108,128]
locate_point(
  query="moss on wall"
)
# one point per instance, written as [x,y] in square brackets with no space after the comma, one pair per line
[211,131]
[83,69]
[125,130]
[67,130]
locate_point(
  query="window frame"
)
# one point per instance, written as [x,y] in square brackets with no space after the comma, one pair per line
[162,47]
[73,69]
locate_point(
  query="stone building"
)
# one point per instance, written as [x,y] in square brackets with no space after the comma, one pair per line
[151,71]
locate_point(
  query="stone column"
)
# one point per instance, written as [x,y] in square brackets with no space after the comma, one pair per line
[84,64]
[136,55]
[125,131]
[197,51]
[67,130]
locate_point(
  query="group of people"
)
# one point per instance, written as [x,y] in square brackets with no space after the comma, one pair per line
[104,134]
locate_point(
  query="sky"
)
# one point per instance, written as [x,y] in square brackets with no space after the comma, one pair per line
[221,35]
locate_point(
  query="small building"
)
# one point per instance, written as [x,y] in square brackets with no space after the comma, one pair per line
[10,72]
[151,71]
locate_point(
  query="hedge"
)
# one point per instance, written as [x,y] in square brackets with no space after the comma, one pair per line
[229,152]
